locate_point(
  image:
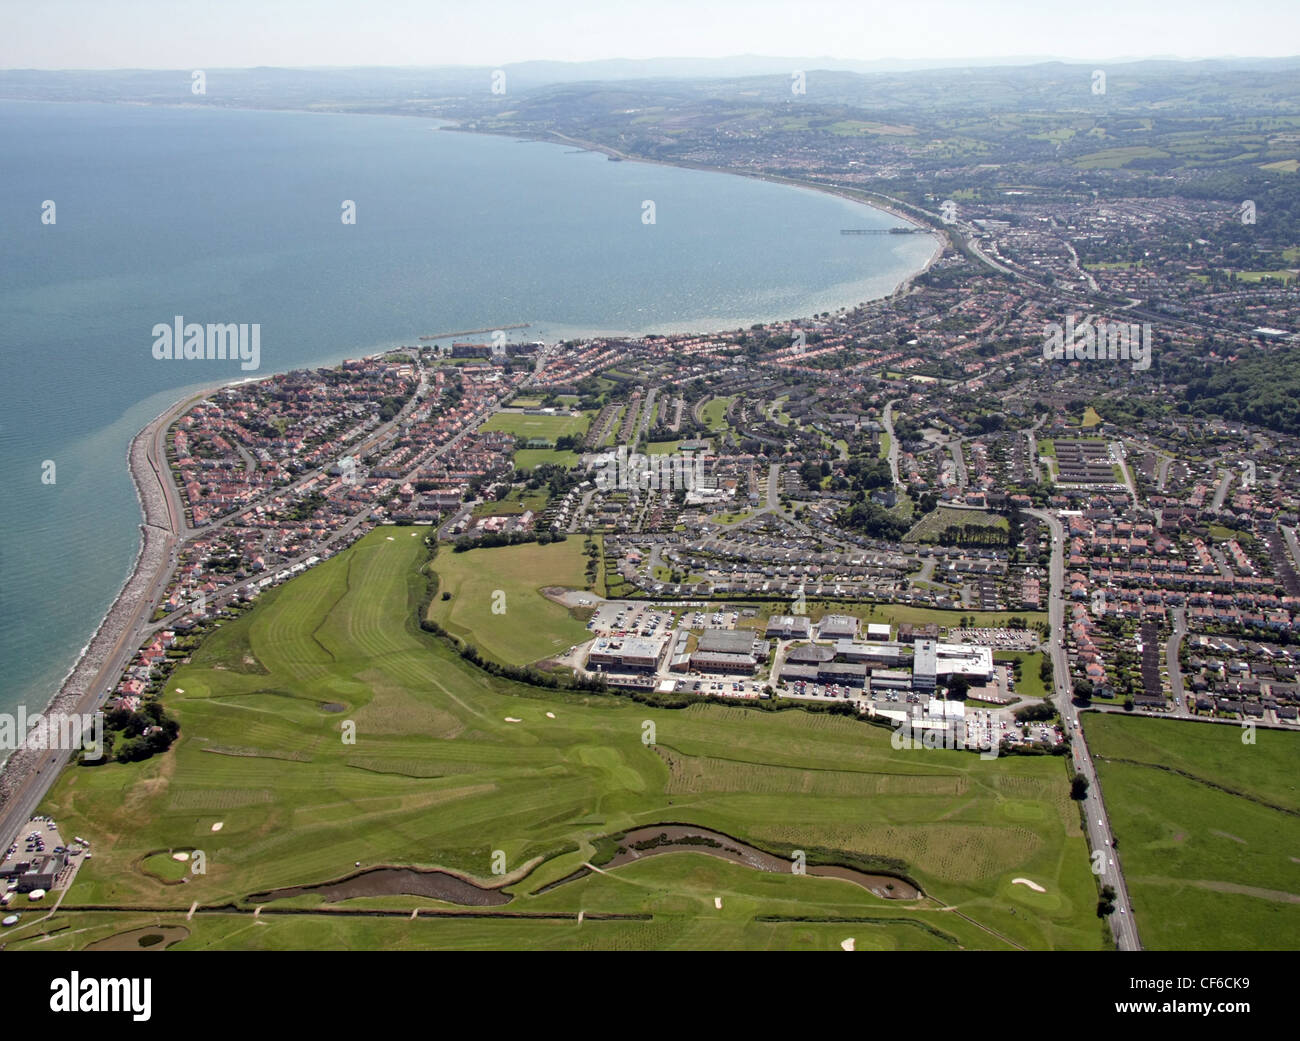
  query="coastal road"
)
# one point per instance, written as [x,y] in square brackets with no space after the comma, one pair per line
[1096,820]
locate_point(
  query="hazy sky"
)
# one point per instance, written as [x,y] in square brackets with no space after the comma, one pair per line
[172,34]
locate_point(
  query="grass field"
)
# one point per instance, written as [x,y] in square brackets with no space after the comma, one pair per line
[1030,684]
[714,413]
[527,458]
[531,626]
[540,426]
[517,502]
[896,614]
[1208,828]
[931,526]
[439,776]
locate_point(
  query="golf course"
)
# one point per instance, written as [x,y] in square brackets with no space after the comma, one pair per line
[1208,826]
[352,782]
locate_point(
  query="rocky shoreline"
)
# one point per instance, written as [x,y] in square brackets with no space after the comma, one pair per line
[77,693]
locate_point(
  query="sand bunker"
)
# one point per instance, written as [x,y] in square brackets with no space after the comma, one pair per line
[511,719]
[717,902]
[848,945]
[550,715]
[180,856]
[1026,882]
[218,826]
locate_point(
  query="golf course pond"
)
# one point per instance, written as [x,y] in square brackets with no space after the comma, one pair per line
[395,881]
[649,841]
[657,839]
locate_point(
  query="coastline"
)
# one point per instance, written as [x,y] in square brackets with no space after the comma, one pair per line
[82,690]
[894,207]
[117,637]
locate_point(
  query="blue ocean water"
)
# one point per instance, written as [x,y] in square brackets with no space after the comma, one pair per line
[234,216]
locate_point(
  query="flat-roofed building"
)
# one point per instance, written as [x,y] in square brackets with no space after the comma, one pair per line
[935,661]
[878,631]
[848,673]
[885,655]
[838,627]
[719,661]
[890,679]
[627,652]
[789,627]
[733,641]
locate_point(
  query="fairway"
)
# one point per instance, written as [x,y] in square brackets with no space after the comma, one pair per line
[450,768]
[1208,829]
[528,626]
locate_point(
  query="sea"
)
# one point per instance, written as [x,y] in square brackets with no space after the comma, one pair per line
[116,218]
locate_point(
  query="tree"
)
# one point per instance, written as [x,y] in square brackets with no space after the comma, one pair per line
[1078,788]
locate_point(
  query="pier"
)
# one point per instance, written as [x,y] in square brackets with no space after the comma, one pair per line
[475,332]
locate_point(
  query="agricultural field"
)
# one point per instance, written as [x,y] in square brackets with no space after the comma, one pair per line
[531,627]
[323,728]
[1208,828]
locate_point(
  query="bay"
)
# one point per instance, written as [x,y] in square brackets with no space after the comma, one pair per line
[223,215]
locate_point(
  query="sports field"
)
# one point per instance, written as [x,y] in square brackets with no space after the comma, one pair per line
[540,426]
[450,765]
[1208,829]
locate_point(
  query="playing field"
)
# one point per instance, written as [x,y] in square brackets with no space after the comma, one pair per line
[496,601]
[324,728]
[1208,829]
[540,426]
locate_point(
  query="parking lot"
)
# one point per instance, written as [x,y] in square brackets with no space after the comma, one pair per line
[620,618]
[998,639]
